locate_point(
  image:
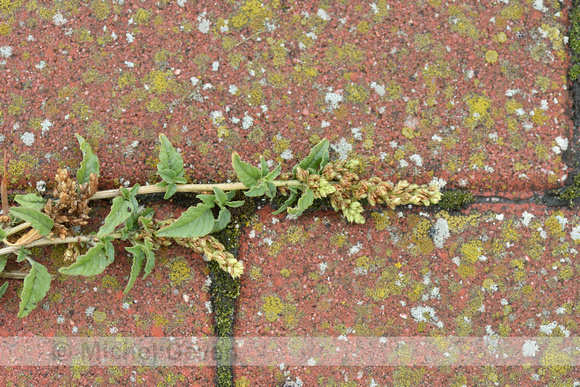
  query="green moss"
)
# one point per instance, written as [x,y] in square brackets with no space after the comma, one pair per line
[454,200]
[225,290]
[571,193]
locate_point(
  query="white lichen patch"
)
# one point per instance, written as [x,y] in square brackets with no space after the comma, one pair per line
[530,348]
[323,14]
[333,99]
[287,155]
[58,19]
[380,89]
[27,138]
[247,121]
[575,233]
[417,160]
[6,51]
[440,232]
[45,125]
[526,217]
[343,148]
[204,23]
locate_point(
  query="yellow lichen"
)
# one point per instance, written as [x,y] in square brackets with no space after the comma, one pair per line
[141,16]
[272,307]
[155,105]
[179,271]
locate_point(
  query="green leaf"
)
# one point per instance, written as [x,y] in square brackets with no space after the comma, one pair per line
[2,234]
[37,219]
[31,201]
[221,196]
[264,166]
[247,174]
[36,285]
[120,211]
[274,174]
[208,200]
[195,222]
[138,258]
[223,220]
[235,204]
[231,194]
[304,202]
[3,260]
[317,158]
[289,201]
[270,190]
[90,163]
[170,166]
[170,191]
[148,250]
[23,254]
[93,262]
[3,289]
[257,190]
[167,175]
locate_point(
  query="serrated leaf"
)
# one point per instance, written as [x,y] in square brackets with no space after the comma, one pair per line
[148,250]
[3,289]
[235,204]
[208,200]
[170,191]
[23,254]
[231,194]
[37,219]
[36,285]
[169,159]
[221,196]
[264,166]
[167,175]
[92,263]
[247,174]
[257,190]
[138,258]
[195,222]
[90,163]
[317,158]
[3,260]
[270,190]
[274,174]
[304,202]
[31,201]
[223,220]
[120,211]
[130,194]
[289,201]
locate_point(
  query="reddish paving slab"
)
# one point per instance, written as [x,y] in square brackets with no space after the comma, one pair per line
[469,92]
[495,272]
[173,301]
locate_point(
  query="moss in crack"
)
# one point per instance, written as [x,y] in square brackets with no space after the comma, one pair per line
[571,193]
[454,200]
[225,290]
[574,40]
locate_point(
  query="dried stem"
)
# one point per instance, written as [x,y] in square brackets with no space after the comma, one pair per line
[19,275]
[149,189]
[4,189]
[56,241]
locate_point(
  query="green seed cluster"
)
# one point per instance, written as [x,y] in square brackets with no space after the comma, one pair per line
[345,189]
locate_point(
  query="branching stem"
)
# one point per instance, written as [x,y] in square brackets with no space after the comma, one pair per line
[149,189]
[57,241]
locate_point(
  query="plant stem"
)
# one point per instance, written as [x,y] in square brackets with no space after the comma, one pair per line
[149,189]
[19,275]
[15,229]
[57,241]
